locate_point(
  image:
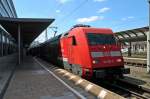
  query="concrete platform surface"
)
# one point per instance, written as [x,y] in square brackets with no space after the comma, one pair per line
[30,81]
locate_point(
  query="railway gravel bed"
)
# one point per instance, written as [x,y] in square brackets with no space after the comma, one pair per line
[139,76]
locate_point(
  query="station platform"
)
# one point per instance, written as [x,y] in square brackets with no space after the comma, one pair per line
[31,81]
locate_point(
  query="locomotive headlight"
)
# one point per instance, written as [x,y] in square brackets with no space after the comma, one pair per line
[95,61]
[119,60]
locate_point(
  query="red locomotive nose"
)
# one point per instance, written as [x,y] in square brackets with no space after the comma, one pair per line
[104,46]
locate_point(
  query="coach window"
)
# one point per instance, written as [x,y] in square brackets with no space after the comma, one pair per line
[74,41]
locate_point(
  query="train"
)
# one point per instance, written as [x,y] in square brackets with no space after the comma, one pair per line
[85,51]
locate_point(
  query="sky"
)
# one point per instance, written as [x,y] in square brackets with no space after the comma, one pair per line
[118,15]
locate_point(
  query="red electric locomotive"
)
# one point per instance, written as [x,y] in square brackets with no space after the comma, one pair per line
[86,51]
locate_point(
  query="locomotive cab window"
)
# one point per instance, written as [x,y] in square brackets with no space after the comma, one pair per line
[74,41]
[100,39]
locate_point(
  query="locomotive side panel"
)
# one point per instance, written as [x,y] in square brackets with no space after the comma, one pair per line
[78,55]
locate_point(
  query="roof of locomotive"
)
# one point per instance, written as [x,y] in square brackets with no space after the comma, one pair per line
[92,28]
[88,27]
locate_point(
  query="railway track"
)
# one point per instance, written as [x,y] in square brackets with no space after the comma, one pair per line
[133,90]
[125,89]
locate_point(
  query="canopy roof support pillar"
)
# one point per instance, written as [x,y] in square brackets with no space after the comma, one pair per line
[148,44]
[129,49]
[19,44]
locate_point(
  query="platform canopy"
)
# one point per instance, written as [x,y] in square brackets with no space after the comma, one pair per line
[133,35]
[30,28]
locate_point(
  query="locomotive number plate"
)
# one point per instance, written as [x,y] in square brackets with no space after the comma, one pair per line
[106,54]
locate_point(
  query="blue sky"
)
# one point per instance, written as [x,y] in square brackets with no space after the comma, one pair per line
[115,14]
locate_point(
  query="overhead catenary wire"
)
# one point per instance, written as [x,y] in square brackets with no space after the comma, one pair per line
[69,14]
[73,11]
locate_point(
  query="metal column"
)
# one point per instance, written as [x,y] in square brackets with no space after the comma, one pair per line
[148,44]
[1,43]
[19,45]
[129,49]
